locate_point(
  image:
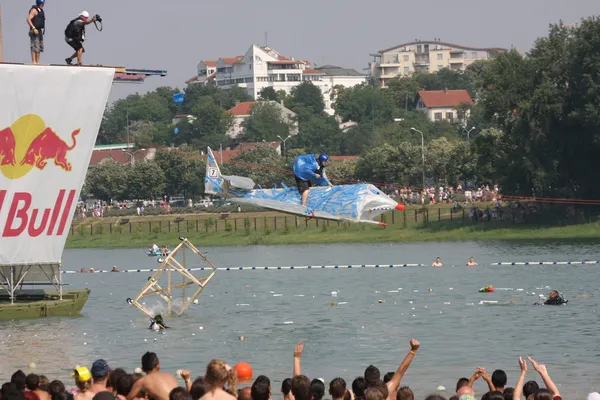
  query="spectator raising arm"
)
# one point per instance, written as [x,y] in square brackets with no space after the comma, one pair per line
[394,383]
[297,355]
[541,369]
[519,386]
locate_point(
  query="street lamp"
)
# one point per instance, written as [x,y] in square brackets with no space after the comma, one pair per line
[131,154]
[422,152]
[284,140]
[468,132]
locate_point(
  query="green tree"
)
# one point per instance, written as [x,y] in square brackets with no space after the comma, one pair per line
[268,93]
[145,181]
[208,128]
[363,103]
[155,107]
[318,134]
[174,165]
[388,164]
[403,92]
[439,156]
[262,164]
[307,96]
[107,181]
[343,171]
[265,123]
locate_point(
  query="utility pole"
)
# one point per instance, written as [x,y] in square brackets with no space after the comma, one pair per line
[373,118]
[1,53]
[422,152]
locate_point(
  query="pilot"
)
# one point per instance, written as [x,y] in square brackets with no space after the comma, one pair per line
[308,168]
[157,323]
[555,299]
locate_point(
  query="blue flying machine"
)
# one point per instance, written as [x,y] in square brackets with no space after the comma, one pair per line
[359,203]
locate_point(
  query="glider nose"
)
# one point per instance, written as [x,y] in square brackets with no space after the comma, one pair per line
[400,207]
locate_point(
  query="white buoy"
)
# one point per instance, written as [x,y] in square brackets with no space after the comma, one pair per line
[334,293]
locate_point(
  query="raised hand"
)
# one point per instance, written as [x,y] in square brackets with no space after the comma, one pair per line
[540,368]
[414,345]
[298,350]
[523,364]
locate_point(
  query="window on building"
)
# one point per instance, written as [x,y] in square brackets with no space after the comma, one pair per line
[405,58]
[474,55]
[460,115]
[450,116]
[440,56]
[437,116]
[419,49]
[406,70]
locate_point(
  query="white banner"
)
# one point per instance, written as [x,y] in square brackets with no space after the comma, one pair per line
[49,120]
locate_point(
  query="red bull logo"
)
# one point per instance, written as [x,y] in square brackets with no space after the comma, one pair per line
[29,143]
[25,145]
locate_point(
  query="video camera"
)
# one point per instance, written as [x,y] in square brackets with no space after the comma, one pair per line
[98,18]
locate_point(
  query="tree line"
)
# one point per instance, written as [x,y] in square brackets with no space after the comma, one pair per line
[537,120]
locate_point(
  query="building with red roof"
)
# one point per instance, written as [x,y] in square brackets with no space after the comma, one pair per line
[261,67]
[243,110]
[444,105]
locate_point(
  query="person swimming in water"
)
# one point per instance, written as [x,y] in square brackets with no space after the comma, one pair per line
[555,299]
[157,323]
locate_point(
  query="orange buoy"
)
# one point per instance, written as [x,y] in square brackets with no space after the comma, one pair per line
[244,370]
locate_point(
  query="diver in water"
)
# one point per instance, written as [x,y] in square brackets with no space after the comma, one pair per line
[555,299]
[157,323]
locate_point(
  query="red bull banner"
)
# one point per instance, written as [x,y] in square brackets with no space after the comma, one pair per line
[49,121]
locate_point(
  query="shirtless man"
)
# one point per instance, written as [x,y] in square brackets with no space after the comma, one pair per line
[471,262]
[156,384]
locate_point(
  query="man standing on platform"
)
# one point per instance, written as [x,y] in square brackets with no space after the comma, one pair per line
[37,26]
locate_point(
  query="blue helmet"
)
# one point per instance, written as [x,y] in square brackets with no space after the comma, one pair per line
[322,158]
[38,2]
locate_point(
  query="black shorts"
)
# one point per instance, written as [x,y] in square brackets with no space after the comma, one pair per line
[302,185]
[76,44]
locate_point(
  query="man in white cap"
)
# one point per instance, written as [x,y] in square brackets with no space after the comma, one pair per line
[75,35]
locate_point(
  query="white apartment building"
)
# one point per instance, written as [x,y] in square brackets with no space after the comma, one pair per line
[264,67]
[428,56]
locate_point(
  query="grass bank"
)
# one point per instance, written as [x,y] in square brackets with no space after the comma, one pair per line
[262,231]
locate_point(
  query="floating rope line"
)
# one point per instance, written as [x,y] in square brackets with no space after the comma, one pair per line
[546,263]
[267,268]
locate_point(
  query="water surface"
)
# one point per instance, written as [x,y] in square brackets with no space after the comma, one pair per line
[274,310]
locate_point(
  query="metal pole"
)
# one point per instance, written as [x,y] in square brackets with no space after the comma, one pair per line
[12,285]
[184,280]
[127,111]
[1,47]
[169,290]
[423,156]
[221,152]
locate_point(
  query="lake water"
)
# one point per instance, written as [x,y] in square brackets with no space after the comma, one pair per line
[274,310]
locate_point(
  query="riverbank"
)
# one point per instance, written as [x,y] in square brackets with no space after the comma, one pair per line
[344,233]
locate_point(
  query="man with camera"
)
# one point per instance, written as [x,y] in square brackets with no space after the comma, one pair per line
[37,24]
[75,35]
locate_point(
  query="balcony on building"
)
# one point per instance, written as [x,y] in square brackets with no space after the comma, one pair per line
[283,66]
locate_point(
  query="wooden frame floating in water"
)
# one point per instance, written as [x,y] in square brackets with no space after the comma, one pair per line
[171,265]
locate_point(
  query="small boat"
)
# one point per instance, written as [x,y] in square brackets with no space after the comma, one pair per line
[157,253]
